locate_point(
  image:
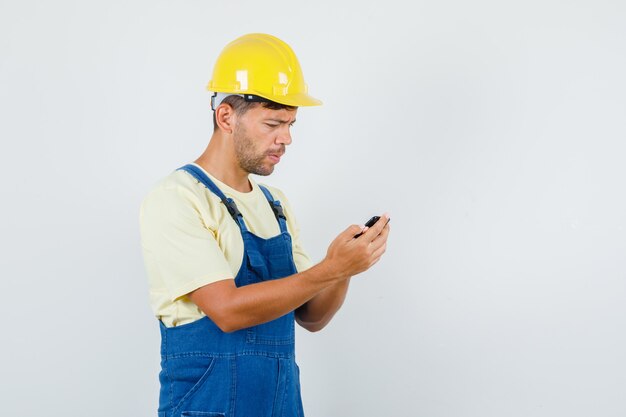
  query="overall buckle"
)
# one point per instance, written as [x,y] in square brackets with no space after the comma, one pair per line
[232,208]
[278,210]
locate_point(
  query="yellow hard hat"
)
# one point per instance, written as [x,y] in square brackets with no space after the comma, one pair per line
[261,65]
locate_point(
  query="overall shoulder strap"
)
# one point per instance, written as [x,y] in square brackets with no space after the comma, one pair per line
[197,173]
[276,208]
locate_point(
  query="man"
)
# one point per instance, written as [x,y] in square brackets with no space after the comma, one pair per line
[228,276]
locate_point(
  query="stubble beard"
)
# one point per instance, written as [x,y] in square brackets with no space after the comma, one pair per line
[247,156]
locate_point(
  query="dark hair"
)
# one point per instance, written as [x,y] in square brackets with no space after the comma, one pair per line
[241,106]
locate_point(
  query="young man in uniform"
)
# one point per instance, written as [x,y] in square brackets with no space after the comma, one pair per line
[228,276]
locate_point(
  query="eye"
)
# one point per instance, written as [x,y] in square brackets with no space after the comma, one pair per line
[272,125]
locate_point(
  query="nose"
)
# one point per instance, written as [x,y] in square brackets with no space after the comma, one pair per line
[284,136]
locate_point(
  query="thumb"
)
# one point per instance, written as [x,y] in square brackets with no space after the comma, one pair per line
[352,230]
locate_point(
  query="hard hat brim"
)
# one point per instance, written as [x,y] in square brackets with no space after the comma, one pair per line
[295,100]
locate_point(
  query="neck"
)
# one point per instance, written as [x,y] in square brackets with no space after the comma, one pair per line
[220,160]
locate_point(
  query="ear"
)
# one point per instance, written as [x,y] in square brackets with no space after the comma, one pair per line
[225,117]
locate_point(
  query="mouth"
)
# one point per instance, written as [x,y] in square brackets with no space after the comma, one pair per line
[275,157]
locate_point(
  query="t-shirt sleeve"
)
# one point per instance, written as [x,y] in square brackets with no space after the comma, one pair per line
[180,252]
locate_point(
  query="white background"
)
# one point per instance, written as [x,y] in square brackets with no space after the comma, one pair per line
[493,132]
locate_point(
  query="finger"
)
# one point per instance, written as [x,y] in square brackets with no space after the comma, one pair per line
[376,244]
[351,231]
[378,252]
[383,235]
[375,230]
[375,261]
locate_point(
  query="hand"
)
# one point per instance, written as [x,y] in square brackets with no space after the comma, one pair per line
[347,256]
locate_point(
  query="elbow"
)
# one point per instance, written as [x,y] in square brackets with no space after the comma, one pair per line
[315,328]
[218,301]
[312,327]
[224,321]
[225,327]
[228,326]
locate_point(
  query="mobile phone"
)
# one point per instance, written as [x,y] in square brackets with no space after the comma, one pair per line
[371,222]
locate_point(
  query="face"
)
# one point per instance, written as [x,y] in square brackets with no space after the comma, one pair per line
[261,136]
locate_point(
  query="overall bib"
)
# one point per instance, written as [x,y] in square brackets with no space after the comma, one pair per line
[247,373]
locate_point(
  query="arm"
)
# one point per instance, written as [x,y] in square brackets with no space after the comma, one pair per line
[316,313]
[233,308]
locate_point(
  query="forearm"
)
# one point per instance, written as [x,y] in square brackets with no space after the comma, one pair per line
[233,308]
[316,313]
[240,307]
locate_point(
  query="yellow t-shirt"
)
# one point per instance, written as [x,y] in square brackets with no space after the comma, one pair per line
[190,240]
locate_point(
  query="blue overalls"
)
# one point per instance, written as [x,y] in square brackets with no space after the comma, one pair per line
[247,373]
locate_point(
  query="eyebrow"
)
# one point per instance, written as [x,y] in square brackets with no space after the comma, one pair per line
[281,121]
